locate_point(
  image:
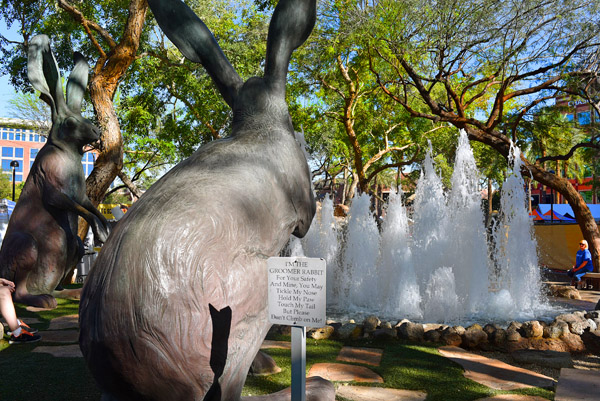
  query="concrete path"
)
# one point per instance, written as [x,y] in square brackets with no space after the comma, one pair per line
[513,397]
[578,385]
[358,393]
[367,356]
[341,372]
[493,373]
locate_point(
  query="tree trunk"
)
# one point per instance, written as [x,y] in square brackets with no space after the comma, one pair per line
[109,70]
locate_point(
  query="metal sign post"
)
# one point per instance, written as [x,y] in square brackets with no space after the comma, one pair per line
[298,363]
[297,298]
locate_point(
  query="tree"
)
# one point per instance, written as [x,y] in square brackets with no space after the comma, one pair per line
[112,47]
[468,63]
[368,136]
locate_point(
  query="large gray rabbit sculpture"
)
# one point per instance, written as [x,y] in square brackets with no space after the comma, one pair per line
[41,243]
[175,307]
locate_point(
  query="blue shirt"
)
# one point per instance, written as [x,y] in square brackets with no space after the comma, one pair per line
[583,255]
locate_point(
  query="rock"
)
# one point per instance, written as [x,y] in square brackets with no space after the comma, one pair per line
[576,321]
[574,342]
[321,333]
[263,365]
[544,344]
[556,329]
[385,333]
[432,336]
[459,329]
[532,329]
[514,325]
[591,341]
[336,325]
[434,327]
[592,315]
[564,291]
[498,337]
[490,329]
[474,336]
[371,323]
[451,337]
[551,359]
[512,334]
[411,331]
[593,325]
[349,331]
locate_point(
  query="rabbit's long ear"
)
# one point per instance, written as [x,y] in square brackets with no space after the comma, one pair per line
[77,83]
[196,42]
[42,71]
[291,24]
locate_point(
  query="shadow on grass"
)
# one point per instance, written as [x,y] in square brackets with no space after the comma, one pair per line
[42,377]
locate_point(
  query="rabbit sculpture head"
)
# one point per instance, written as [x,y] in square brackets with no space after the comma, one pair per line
[41,244]
[69,127]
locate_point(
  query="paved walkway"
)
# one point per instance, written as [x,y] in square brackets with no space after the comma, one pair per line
[494,373]
[578,385]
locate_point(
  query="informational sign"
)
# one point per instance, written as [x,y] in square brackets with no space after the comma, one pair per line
[297,288]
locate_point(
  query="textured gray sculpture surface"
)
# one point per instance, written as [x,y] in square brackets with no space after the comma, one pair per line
[175,307]
[41,243]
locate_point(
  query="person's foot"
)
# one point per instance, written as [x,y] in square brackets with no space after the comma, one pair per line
[31,330]
[24,337]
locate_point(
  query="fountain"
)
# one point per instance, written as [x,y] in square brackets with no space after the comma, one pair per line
[440,268]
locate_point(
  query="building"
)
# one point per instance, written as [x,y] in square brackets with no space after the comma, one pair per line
[21,140]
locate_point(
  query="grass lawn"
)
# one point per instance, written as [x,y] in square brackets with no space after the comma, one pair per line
[27,375]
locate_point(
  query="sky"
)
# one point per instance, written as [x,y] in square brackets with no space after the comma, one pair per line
[7,92]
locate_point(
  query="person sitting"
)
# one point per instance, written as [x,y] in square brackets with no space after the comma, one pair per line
[20,331]
[583,264]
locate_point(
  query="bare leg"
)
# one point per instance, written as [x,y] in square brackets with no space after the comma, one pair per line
[7,308]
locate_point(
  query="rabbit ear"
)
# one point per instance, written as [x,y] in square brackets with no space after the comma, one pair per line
[196,42]
[77,83]
[42,71]
[291,24]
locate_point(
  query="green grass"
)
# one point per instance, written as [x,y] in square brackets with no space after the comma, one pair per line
[404,365]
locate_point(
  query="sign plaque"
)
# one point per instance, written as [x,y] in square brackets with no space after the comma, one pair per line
[297,289]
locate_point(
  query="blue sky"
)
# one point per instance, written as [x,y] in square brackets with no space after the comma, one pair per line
[7,92]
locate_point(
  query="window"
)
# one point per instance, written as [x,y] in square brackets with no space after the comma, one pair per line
[30,137]
[18,178]
[37,138]
[7,152]
[7,168]
[18,137]
[584,118]
[11,136]
[569,117]
[19,153]
[43,138]
[33,153]
[5,135]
